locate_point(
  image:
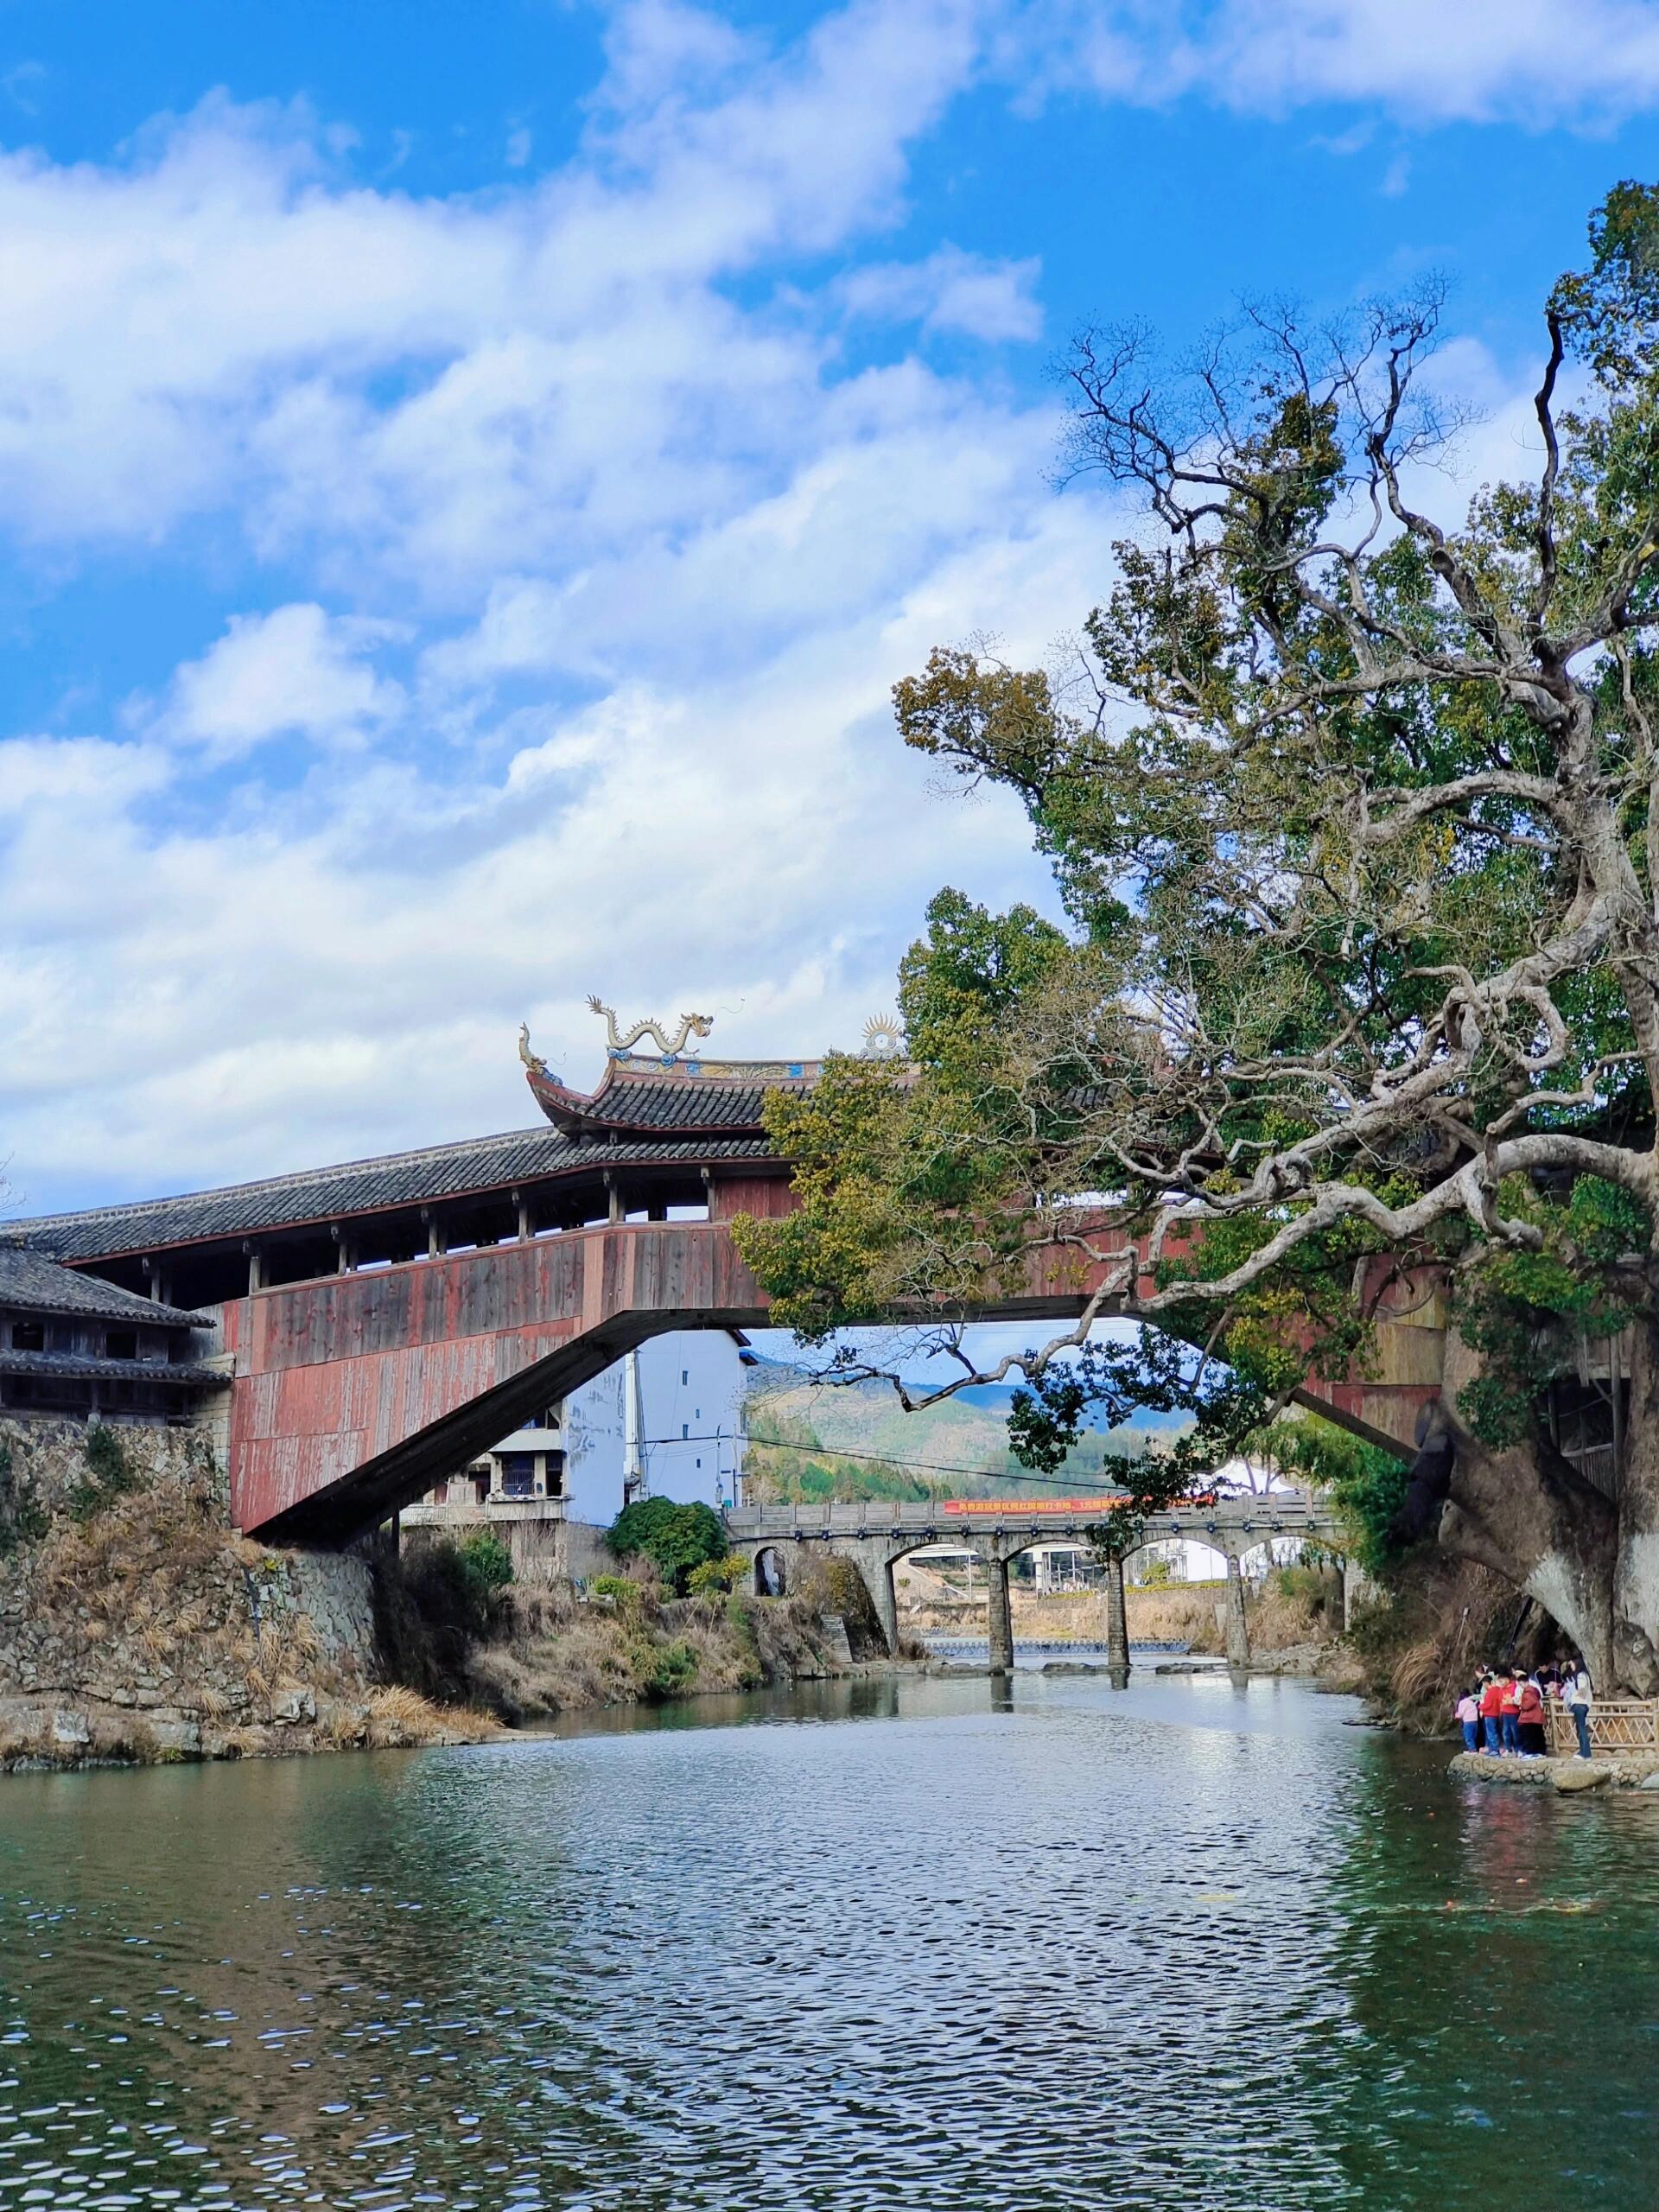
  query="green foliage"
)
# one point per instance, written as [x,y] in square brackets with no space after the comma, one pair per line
[23,1518]
[620,1589]
[716,1576]
[1366,1485]
[453,1592]
[676,1538]
[488,1563]
[109,1473]
[1340,820]
[673,1669]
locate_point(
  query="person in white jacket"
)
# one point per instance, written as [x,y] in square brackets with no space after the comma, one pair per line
[1575,1696]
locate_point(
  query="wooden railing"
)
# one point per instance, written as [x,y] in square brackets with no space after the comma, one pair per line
[1620,1727]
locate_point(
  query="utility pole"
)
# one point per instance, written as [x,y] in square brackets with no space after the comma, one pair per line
[634,1484]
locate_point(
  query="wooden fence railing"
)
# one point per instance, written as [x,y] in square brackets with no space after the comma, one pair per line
[1620,1727]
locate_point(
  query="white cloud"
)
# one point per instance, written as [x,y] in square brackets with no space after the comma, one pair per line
[950,291]
[597,564]
[296,672]
[1533,60]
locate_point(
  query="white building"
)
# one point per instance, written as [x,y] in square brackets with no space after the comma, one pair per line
[665,1421]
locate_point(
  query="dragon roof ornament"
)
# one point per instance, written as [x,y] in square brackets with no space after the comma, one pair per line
[621,1042]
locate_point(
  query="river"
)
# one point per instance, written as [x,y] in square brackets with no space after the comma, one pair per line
[897,1944]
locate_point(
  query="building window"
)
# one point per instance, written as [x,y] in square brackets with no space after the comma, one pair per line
[28,1336]
[120,1343]
[555,1474]
[685,1376]
[685,1431]
[518,1474]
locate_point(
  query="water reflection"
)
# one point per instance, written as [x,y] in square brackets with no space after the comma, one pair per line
[878,1943]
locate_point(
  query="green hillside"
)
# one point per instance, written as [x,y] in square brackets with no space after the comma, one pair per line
[808,1442]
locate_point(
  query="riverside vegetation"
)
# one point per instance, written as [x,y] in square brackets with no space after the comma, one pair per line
[1354,817]
[136,1625]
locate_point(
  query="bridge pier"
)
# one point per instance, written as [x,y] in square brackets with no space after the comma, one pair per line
[1238,1626]
[886,1600]
[999,1613]
[1118,1624]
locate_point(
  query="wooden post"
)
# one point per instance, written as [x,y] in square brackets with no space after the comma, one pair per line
[613,1199]
[256,1268]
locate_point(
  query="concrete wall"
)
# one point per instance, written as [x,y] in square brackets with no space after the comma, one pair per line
[691,1387]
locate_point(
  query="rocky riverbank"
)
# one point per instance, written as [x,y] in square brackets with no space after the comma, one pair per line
[136,1626]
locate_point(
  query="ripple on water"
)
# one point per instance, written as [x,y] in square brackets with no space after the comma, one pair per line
[1188,1947]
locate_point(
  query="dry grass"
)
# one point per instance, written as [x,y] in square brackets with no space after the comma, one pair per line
[559,1655]
[1184,1612]
[1444,1619]
[402,1720]
[153,1588]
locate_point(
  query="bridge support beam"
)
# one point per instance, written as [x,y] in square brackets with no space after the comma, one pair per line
[886,1603]
[1118,1624]
[1238,1626]
[999,1614]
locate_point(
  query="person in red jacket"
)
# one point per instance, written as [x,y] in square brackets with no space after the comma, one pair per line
[1508,1708]
[1529,1717]
[1491,1699]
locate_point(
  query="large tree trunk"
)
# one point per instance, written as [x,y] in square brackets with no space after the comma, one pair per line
[1526,1513]
[1635,1589]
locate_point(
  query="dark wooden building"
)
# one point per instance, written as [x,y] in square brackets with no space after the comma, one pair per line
[72,1346]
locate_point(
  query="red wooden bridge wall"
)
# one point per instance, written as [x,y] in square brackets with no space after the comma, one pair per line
[355,1393]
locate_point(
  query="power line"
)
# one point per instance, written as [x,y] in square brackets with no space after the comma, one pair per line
[875,1458]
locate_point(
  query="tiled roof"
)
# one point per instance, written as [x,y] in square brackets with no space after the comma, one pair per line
[682,1098]
[72,1367]
[683,1105]
[360,1186]
[33,1282]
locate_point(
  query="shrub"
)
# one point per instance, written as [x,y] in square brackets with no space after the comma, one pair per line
[454,1600]
[109,1473]
[716,1576]
[674,1668]
[622,1592]
[676,1538]
[488,1563]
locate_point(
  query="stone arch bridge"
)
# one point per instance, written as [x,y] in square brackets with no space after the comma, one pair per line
[376,1325]
[876,1535]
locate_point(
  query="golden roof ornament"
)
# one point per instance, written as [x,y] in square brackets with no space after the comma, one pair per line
[883,1038]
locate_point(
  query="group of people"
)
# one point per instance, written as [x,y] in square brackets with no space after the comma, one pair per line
[1505,1711]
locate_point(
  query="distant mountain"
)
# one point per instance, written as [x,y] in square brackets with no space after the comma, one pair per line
[998,1398]
[809,1439]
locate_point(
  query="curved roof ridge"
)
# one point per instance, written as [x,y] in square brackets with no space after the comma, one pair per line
[288,1180]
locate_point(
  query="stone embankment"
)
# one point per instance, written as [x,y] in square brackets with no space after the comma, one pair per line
[134,1624]
[1569,1776]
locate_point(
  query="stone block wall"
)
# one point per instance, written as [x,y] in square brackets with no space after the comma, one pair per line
[135,1622]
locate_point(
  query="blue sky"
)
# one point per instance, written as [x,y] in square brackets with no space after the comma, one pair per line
[470,476]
